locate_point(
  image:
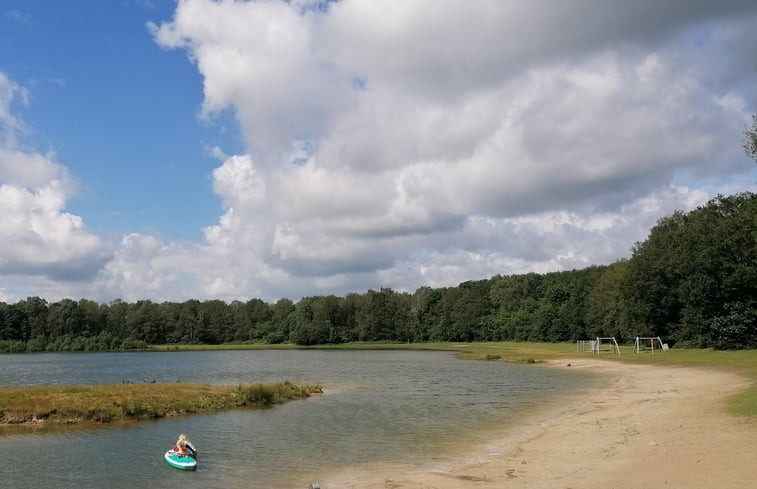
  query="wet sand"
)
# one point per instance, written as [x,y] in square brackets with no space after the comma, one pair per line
[647,427]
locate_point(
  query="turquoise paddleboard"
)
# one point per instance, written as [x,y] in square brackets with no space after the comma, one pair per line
[185,463]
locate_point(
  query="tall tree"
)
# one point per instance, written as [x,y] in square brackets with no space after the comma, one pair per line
[606,310]
[695,278]
[750,140]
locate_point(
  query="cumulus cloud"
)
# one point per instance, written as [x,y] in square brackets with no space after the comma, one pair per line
[396,144]
[39,238]
[438,145]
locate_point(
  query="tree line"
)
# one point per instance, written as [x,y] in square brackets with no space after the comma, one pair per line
[693,281]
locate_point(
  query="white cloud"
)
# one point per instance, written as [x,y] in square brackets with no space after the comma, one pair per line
[397,144]
[438,145]
[10,125]
[32,170]
[38,237]
[19,16]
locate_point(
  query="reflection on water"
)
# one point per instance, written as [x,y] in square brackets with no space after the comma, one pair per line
[380,407]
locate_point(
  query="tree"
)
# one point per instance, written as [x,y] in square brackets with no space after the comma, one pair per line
[750,140]
[429,312]
[64,318]
[606,309]
[258,316]
[514,300]
[34,310]
[468,312]
[282,319]
[695,278]
[219,322]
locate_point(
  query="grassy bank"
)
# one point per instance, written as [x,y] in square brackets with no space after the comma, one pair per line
[66,405]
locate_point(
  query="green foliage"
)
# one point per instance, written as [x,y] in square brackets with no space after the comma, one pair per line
[750,139]
[695,278]
[256,394]
[606,306]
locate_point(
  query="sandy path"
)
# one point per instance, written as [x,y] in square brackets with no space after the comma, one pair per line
[650,427]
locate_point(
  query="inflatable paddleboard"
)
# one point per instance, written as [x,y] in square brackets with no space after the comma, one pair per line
[184,463]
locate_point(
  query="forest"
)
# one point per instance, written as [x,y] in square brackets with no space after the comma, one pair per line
[693,282]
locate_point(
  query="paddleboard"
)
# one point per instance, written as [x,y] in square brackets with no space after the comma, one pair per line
[184,463]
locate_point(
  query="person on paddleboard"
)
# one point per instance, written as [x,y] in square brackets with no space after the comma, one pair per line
[184,447]
[181,445]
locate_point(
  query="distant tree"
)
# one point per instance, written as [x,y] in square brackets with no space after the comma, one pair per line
[350,308]
[64,318]
[695,278]
[189,323]
[93,318]
[429,313]
[8,328]
[514,300]
[282,321]
[34,310]
[468,313]
[379,315]
[750,140]
[304,330]
[219,321]
[258,316]
[144,322]
[606,309]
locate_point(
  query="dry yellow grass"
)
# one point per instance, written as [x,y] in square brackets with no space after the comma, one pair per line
[55,405]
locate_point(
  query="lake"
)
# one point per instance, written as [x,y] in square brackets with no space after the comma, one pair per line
[385,409]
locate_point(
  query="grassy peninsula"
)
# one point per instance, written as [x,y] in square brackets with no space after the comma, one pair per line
[75,404]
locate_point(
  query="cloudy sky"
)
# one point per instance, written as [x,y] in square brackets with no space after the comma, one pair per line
[158,150]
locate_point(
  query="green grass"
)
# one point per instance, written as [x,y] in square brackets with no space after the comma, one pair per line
[744,403]
[69,405]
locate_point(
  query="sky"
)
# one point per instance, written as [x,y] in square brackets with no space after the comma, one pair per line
[163,150]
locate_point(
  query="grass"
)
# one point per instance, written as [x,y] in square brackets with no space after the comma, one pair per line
[68,405]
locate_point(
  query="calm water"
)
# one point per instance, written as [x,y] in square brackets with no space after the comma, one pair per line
[379,408]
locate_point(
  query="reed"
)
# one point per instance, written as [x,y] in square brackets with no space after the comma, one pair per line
[70,405]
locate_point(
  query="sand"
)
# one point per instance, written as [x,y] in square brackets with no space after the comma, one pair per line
[647,427]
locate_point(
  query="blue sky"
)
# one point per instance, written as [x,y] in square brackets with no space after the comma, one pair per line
[236,149]
[118,110]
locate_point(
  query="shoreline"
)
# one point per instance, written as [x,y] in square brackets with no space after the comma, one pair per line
[646,427]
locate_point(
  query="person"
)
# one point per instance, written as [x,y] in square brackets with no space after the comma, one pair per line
[181,446]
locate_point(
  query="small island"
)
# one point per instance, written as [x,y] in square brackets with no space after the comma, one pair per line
[110,403]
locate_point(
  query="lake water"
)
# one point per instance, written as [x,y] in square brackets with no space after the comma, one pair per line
[380,408]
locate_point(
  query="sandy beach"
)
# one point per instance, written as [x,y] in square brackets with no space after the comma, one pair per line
[648,427]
